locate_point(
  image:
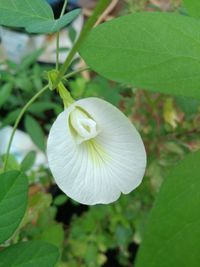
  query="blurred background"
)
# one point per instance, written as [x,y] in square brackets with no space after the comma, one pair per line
[101,235]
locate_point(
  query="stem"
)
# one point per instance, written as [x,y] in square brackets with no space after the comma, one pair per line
[75,72]
[57,50]
[18,121]
[63,8]
[57,36]
[102,4]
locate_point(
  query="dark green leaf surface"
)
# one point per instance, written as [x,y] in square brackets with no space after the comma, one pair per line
[155,51]
[13,201]
[35,16]
[29,254]
[35,131]
[172,237]
[193,7]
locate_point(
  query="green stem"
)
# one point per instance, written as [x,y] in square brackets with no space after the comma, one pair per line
[57,50]
[75,72]
[18,121]
[63,8]
[57,36]
[101,6]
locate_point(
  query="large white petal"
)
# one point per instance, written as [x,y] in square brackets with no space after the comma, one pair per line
[98,170]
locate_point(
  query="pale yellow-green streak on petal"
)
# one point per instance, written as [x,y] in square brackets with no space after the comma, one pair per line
[96,152]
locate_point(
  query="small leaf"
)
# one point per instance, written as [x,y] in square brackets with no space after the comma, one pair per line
[28,161]
[42,106]
[60,200]
[35,131]
[5,92]
[155,51]
[172,237]
[35,16]
[11,117]
[72,34]
[30,59]
[29,254]
[193,7]
[51,26]
[13,202]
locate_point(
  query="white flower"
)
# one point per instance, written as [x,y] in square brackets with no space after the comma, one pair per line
[95,153]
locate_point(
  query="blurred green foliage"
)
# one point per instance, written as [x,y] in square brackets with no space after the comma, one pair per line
[86,236]
[18,84]
[170,130]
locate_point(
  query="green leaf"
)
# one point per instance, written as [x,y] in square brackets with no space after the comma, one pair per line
[11,117]
[28,161]
[172,235]
[155,51]
[19,13]
[51,26]
[29,254]
[35,131]
[41,106]
[193,7]
[29,59]
[13,202]
[5,92]
[35,16]
[72,34]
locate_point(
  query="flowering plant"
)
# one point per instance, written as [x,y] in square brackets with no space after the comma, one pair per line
[94,151]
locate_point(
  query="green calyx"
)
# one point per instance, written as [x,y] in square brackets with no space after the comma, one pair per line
[62,90]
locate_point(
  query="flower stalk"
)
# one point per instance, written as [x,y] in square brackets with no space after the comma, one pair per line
[24,109]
